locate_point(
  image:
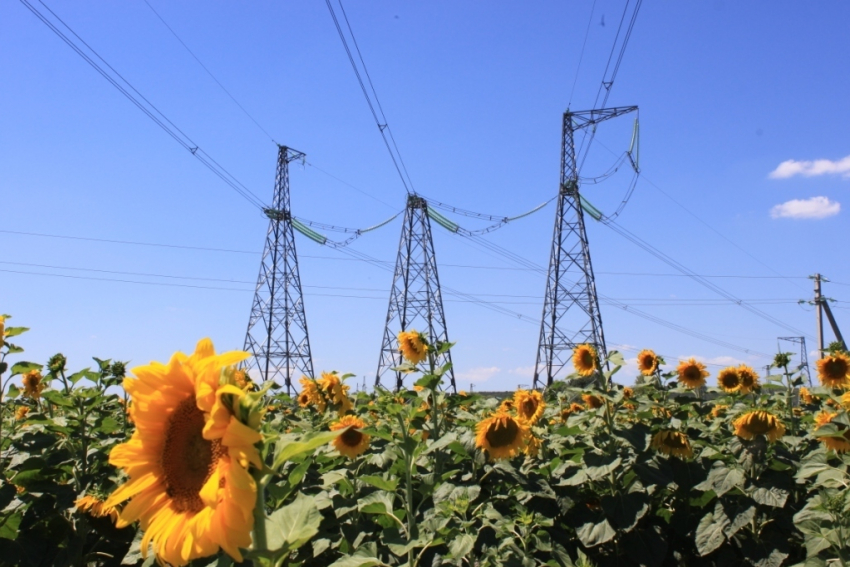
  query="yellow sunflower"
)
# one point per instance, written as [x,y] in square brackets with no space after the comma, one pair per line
[507,405]
[502,435]
[332,386]
[845,400]
[532,446]
[673,443]
[33,384]
[592,401]
[834,370]
[21,413]
[729,380]
[808,398]
[758,422]
[628,393]
[529,405]
[719,410]
[188,459]
[412,346]
[96,508]
[647,362]
[584,359]
[568,411]
[310,394]
[837,444]
[692,374]
[749,379]
[352,442]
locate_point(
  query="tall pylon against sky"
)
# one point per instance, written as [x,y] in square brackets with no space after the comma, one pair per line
[415,299]
[277,329]
[570,306]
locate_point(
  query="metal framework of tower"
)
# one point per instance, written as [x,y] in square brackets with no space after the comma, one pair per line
[277,329]
[415,298]
[804,357]
[570,307]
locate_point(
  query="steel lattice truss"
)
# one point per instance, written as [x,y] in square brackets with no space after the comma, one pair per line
[415,299]
[277,330]
[571,306]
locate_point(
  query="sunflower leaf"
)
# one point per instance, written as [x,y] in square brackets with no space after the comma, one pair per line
[293,525]
[361,558]
[290,449]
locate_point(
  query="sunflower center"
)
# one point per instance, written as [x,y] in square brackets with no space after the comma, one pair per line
[188,459]
[586,359]
[529,407]
[692,374]
[758,424]
[836,368]
[730,380]
[674,441]
[502,433]
[351,437]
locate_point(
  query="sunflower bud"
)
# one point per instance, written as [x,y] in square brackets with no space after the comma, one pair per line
[56,364]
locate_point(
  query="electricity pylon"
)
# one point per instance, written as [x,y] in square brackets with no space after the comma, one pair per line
[277,329]
[415,299]
[570,306]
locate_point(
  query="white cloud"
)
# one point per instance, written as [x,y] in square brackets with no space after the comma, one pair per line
[523,371]
[814,208]
[479,374]
[792,167]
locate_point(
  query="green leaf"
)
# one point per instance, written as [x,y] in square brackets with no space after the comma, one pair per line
[24,367]
[379,482]
[293,525]
[13,392]
[722,479]
[772,496]
[85,373]
[625,510]
[740,519]
[592,534]
[361,558]
[15,331]
[58,398]
[461,546]
[287,450]
[710,531]
[376,503]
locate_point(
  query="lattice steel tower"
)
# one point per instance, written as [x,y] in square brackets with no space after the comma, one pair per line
[277,330]
[570,307]
[415,299]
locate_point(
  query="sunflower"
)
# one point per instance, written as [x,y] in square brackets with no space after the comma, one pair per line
[845,400]
[502,435]
[188,459]
[310,394]
[33,384]
[838,444]
[628,393]
[719,410]
[592,401]
[729,380]
[647,362]
[629,406]
[331,384]
[692,373]
[96,508]
[529,405]
[758,422]
[242,380]
[673,443]
[568,411]
[749,379]
[507,405]
[412,346]
[584,359]
[352,442]
[808,398]
[21,413]
[834,370]
[532,447]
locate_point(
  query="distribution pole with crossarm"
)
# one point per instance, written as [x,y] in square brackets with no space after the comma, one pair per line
[277,328]
[570,306]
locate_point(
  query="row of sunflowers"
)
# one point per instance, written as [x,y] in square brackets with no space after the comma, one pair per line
[191,462]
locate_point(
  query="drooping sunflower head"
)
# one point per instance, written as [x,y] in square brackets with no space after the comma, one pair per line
[584,359]
[189,458]
[692,373]
[592,401]
[532,446]
[333,389]
[628,393]
[672,443]
[834,370]
[413,346]
[502,435]
[96,508]
[21,413]
[507,405]
[749,379]
[807,397]
[571,409]
[758,422]
[729,379]
[310,394]
[33,384]
[647,362]
[719,410]
[529,405]
[837,444]
[352,441]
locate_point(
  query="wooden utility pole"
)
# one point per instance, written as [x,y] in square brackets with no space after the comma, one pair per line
[819,313]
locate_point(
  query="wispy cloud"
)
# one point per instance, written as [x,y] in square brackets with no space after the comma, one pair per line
[792,167]
[814,208]
[479,374]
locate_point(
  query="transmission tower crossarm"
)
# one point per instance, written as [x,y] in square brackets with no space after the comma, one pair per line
[585,118]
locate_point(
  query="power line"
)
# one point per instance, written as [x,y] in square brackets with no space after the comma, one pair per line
[242,108]
[148,108]
[581,56]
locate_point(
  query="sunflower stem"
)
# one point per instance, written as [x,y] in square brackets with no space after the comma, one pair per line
[260,540]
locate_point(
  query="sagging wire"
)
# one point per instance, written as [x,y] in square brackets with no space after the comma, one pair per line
[452,226]
[305,227]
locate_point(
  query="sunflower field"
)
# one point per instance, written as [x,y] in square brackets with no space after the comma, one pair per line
[188,462]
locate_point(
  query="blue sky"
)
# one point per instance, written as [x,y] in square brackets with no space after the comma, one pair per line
[474,93]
